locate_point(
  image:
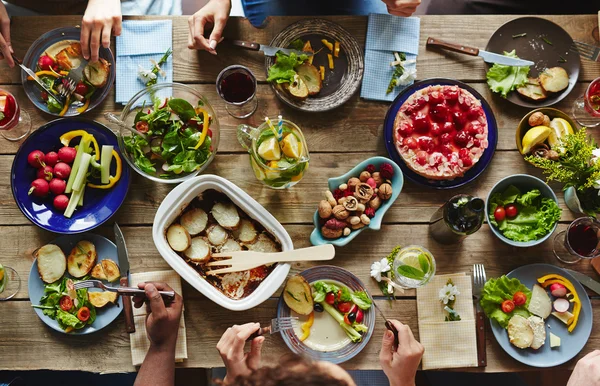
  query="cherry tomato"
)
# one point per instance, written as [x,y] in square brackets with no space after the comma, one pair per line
[344,307]
[511,211]
[346,320]
[44,95]
[499,213]
[65,303]
[81,89]
[83,314]
[330,298]
[508,306]
[519,298]
[142,127]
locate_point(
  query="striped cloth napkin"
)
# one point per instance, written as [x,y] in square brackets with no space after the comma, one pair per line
[139,340]
[387,34]
[447,344]
[141,41]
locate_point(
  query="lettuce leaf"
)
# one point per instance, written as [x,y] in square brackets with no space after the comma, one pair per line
[503,79]
[498,290]
[283,69]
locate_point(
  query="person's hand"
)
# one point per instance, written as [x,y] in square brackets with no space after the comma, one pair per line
[400,363]
[162,321]
[216,13]
[587,371]
[231,348]
[100,19]
[402,7]
[5,47]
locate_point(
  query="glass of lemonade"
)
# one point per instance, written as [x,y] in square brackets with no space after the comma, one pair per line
[278,164]
[10,283]
[413,266]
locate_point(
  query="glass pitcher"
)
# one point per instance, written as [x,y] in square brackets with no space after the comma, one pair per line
[278,164]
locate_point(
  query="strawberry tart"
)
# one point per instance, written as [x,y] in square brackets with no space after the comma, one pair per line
[441,132]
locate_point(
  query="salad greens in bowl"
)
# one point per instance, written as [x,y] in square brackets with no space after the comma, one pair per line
[522,210]
[171,134]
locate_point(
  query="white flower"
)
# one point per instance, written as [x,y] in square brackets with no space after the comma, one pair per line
[408,76]
[379,267]
[448,293]
[145,75]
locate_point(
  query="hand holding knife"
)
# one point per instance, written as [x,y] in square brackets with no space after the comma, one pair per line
[388,324]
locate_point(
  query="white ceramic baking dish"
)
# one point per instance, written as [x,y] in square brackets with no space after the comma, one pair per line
[174,204]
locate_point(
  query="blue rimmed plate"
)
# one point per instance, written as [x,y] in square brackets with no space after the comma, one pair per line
[571,343]
[37,49]
[471,174]
[105,249]
[99,204]
[350,350]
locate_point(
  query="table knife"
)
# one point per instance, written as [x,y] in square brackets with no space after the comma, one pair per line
[37,79]
[388,324]
[267,50]
[488,57]
[585,280]
[124,282]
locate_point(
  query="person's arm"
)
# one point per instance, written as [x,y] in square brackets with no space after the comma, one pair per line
[587,371]
[402,7]
[400,363]
[5,47]
[101,18]
[162,326]
[216,12]
[231,349]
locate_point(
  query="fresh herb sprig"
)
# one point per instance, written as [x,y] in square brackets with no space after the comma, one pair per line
[398,71]
[519,35]
[156,68]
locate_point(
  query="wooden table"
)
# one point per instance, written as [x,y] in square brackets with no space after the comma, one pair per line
[337,140]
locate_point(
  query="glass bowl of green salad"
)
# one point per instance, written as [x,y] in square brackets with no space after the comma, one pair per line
[169,133]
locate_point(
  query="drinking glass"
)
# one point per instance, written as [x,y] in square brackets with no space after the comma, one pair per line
[9,284]
[586,108]
[237,86]
[15,123]
[413,266]
[579,241]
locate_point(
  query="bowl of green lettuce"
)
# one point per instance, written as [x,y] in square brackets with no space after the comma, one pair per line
[537,210]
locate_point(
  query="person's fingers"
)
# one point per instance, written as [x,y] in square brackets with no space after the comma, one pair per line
[155,301]
[593,354]
[84,39]
[243,332]
[254,357]
[200,41]
[191,33]
[4,47]
[5,31]
[224,343]
[387,344]
[95,40]
[117,25]
[141,285]
[106,30]
[160,285]
[217,32]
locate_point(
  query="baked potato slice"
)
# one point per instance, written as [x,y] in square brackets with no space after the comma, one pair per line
[297,89]
[101,299]
[98,272]
[178,238]
[298,296]
[246,232]
[532,90]
[82,259]
[199,250]
[226,214]
[216,234]
[97,72]
[311,76]
[554,79]
[194,221]
[263,244]
[230,246]
[111,270]
[51,263]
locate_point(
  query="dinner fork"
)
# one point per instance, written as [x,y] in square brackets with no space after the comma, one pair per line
[478,283]
[127,291]
[588,51]
[72,79]
[276,325]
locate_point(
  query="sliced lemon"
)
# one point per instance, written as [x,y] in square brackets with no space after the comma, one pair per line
[291,147]
[269,149]
[258,172]
[411,258]
[560,129]
[535,136]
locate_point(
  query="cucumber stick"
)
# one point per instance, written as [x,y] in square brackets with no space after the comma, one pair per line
[73,201]
[82,172]
[105,160]
[351,332]
[80,202]
[83,148]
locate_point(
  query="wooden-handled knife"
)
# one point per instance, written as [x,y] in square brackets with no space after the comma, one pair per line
[124,282]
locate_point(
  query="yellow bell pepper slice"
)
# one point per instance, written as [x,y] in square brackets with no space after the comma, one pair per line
[322,72]
[117,176]
[330,61]
[205,124]
[83,108]
[65,108]
[547,280]
[306,326]
[49,73]
[67,137]
[327,44]
[336,49]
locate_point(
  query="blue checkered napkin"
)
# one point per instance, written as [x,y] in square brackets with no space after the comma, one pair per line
[387,34]
[140,41]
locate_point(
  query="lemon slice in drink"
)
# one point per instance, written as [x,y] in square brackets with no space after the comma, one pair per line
[560,129]
[290,146]
[535,136]
[269,149]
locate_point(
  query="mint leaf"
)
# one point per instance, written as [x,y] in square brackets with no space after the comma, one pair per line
[410,272]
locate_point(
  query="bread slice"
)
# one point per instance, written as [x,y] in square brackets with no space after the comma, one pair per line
[82,259]
[539,331]
[246,233]
[520,332]
[97,72]
[98,272]
[216,234]
[111,270]
[101,299]
[199,250]
[194,221]
[178,238]
[554,79]
[298,295]
[532,90]
[540,303]
[311,77]
[226,214]
[264,244]
[51,262]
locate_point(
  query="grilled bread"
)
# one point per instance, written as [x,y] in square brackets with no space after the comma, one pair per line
[178,238]
[298,296]
[97,72]
[111,270]
[539,331]
[51,262]
[194,221]
[98,272]
[532,90]
[226,215]
[520,332]
[311,77]
[554,79]
[82,259]
[101,299]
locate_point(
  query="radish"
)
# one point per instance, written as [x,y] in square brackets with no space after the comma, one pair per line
[45,63]
[45,173]
[558,290]
[62,170]
[561,305]
[67,154]
[164,104]
[61,202]
[57,186]
[39,188]
[51,158]
[36,159]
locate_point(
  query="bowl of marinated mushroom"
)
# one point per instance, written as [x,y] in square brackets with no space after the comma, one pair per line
[356,201]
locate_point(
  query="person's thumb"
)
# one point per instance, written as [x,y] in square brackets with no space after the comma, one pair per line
[255,354]
[157,305]
[387,346]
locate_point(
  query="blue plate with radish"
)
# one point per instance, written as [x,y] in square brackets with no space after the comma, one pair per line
[68,177]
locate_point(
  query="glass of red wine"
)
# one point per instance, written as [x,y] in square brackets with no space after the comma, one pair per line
[15,123]
[580,241]
[237,86]
[586,109]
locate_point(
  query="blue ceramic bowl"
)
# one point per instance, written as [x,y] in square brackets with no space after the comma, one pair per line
[397,182]
[99,204]
[525,183]
[471,174]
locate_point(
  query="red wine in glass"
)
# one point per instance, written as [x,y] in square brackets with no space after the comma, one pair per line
[592,98]
[9,111]
[583,239]
[237,87]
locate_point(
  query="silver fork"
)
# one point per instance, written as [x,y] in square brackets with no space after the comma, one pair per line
[277,325]
[127,291]
[588,51]
[479,280]
[71,80]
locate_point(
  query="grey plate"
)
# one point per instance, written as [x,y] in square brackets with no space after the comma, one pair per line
[571,343]
[340,83]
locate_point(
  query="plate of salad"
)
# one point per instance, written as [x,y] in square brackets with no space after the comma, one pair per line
[335,316]
[540,315]
[52,56]
[60,264]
